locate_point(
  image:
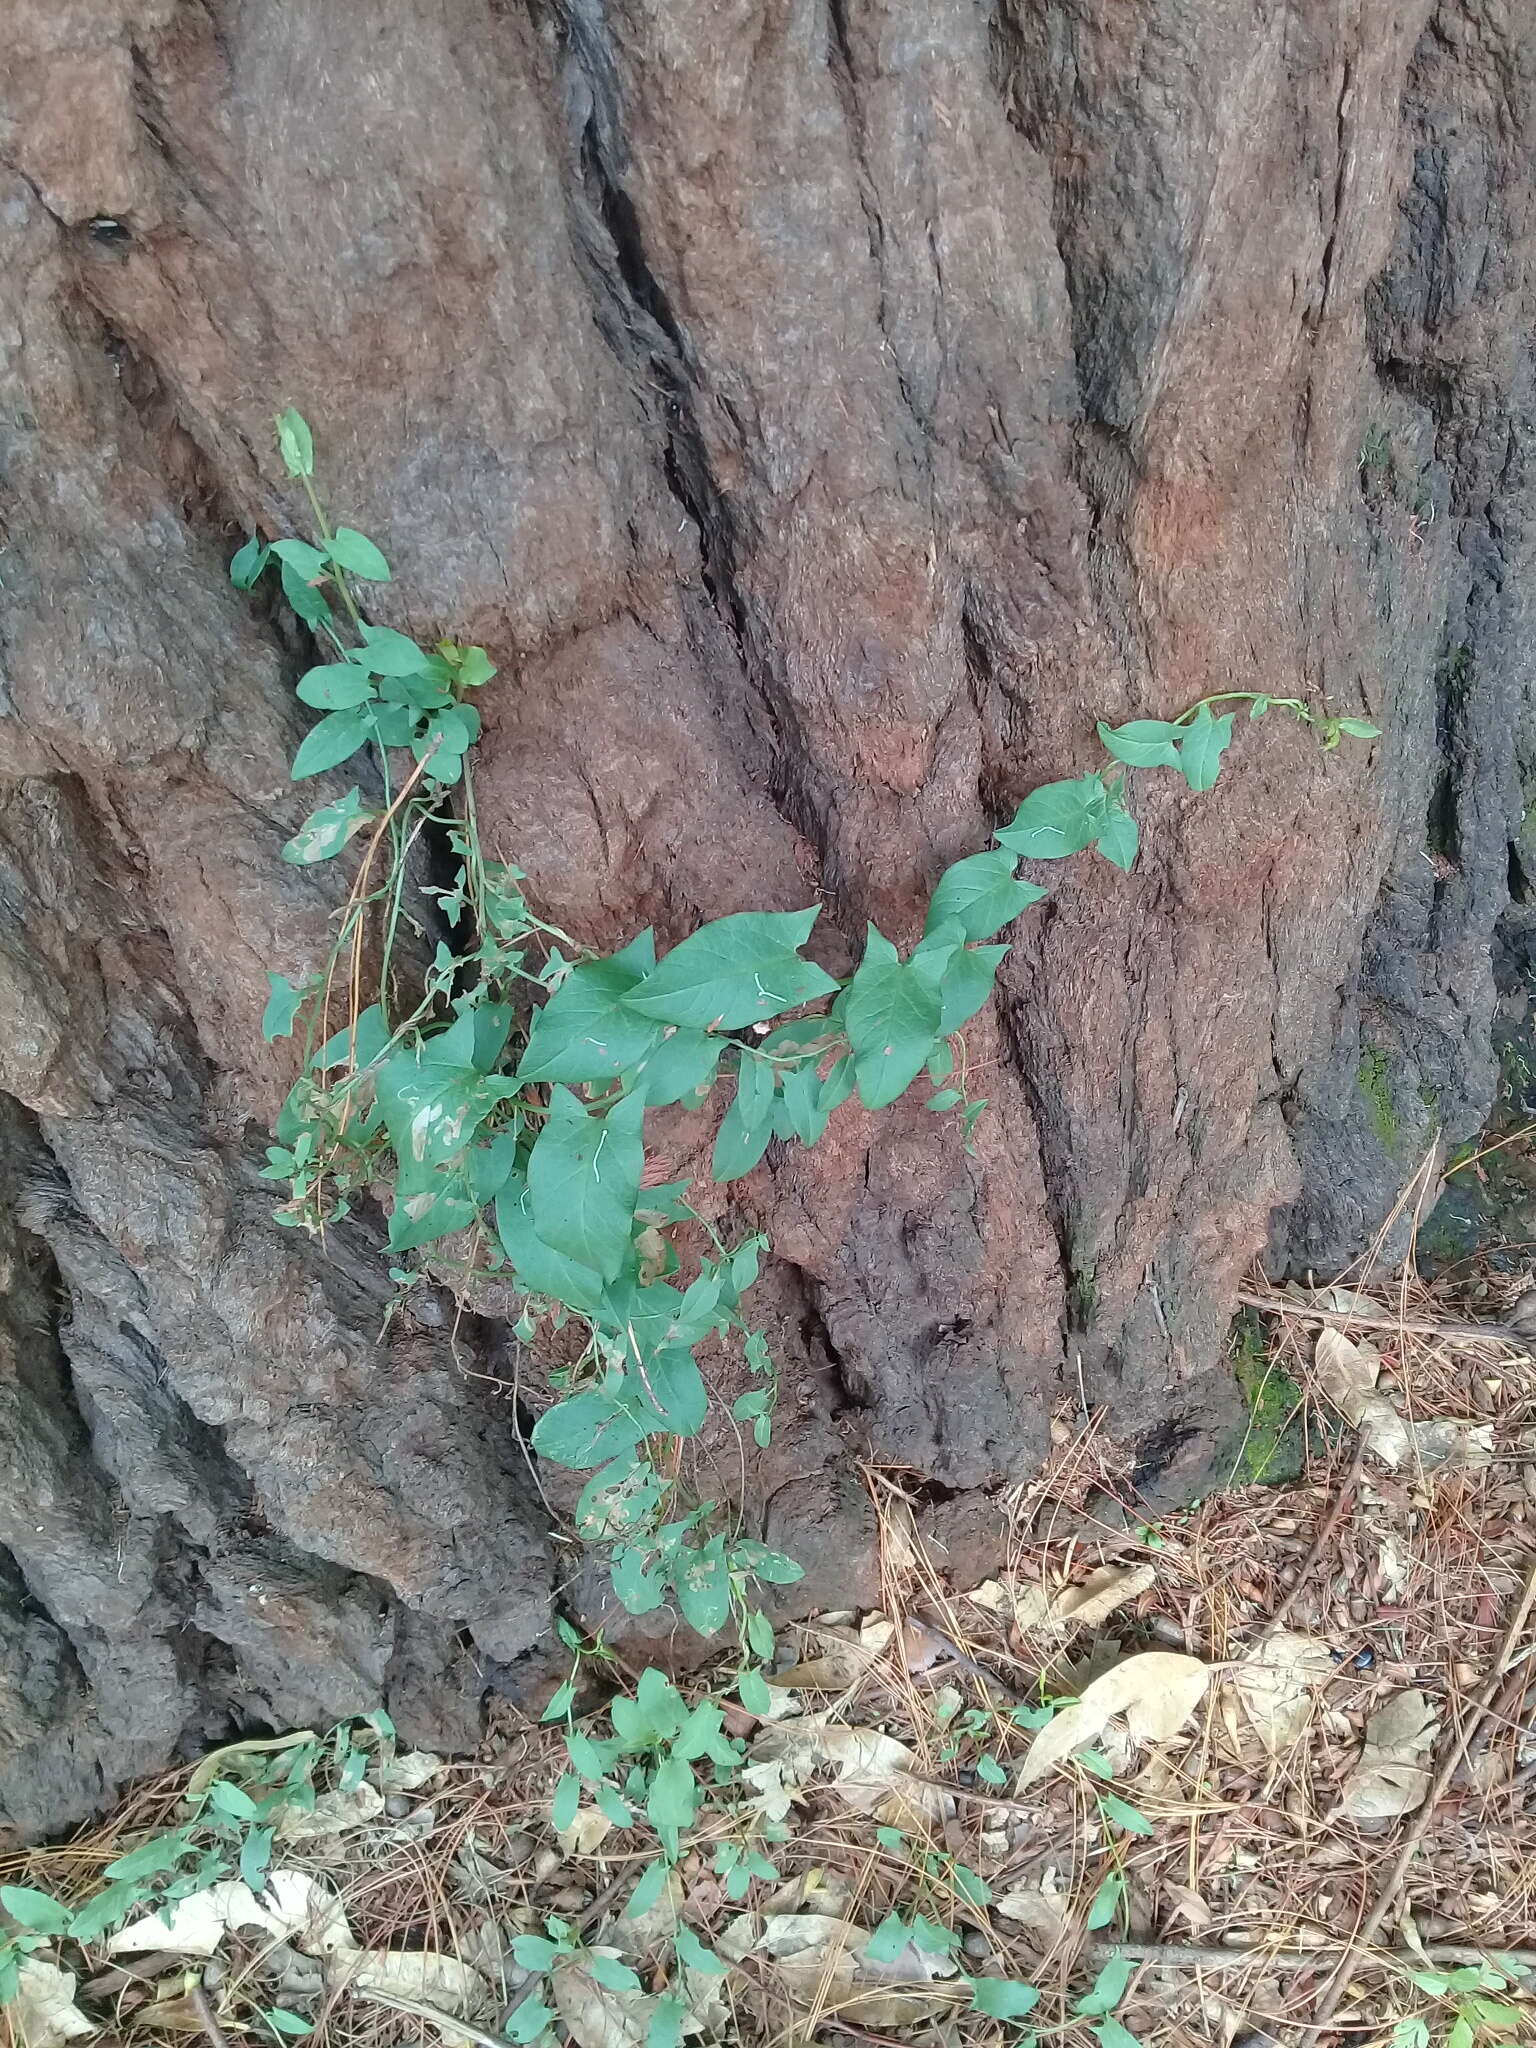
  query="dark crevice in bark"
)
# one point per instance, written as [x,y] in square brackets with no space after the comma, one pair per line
[844,73]
[856,1395]
[637,319]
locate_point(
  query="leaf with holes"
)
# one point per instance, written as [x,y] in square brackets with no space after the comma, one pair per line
[325,832]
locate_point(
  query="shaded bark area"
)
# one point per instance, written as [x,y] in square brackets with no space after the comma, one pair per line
[823,410]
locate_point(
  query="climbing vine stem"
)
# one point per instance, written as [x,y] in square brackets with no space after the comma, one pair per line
[497,1090]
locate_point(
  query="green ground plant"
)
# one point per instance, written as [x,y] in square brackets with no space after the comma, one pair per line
[469,1057]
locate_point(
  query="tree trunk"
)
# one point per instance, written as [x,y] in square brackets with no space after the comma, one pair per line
[824,410]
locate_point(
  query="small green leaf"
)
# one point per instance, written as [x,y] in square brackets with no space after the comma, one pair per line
[692,1952]
[325,832]
[584,1180]
[331,742]
[1257,708]
[982,894]
[617,1810]
[1001,1999]
[587,1430]
[893,1012]
[335,686]
[666,2027]
[232,1801]
[352,550]
[753,1692]
[945,1099]
[248,563]
[1112,2033]
[610,1972]
[566,1803]
[387,653]
[888,1939]
[673,1799]
[1205,740]
[283,2022]
[528,2019]
[561,1700]
[475,668]
[1144,743]
[295,443]
[1360,728]
[990,1771]
[648,1890]
[584,1032]
[113,1903]
[1107,1989]
[747,1125]
[967,984]
[736,971]
[1105,1903]
[283,1002]
[748,1555]
[1057,819]
[703,1583]
[1119,837]
[152,1856]
[533,1952]
[34,1909]
[1463,2032]
[1121,1814]
[255,1855]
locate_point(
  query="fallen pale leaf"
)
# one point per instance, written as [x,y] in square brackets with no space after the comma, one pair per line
[1188,1906]
[294,1906]
[1156,1692]
[410,1772]
[1348,1303]
[1276,1685]
[1041,1910]
[843,1658]
[1346,1372]
[819,1961]
[43,2013]
[422,1975]
[333,1813]
[1392,1776]
[874,1770]
[212,1765]
[595,2015]
[1454,1443]
[590,1828]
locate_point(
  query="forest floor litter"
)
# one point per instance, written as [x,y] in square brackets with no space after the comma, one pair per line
[1263,1771]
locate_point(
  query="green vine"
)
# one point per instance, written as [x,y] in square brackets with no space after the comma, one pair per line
[500,1089]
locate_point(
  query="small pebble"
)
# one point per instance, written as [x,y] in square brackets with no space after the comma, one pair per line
[976,1945]
[514,1849]
[545,1864]
[215,1970]
[397,1805]
[571,1900]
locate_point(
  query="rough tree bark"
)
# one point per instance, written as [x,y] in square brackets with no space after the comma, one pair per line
[824,410]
